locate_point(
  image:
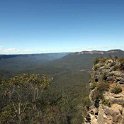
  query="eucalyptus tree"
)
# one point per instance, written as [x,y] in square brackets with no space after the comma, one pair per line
[22,93]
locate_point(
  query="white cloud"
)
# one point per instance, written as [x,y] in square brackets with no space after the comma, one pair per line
[4,50]
[13,51]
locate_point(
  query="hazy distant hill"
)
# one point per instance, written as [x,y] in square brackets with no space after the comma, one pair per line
[54,63]
[83,60]
[43,57]
[69,70]
[15,63]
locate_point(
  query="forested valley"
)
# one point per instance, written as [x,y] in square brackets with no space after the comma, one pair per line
[46,91]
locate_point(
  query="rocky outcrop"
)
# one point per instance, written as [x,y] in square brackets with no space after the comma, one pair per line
[102,52]
[107,92]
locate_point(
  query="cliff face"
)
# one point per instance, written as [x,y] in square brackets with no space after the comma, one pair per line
[107,92]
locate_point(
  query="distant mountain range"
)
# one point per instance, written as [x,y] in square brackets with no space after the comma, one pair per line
[42,56]
[102,52]
[59,55]
[69,71]
[53,63]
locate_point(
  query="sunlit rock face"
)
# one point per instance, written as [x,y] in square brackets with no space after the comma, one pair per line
[107,92]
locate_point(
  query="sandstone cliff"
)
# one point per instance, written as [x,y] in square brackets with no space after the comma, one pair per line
[107,92]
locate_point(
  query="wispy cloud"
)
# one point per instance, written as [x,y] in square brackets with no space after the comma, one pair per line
[4,50]
[14,51]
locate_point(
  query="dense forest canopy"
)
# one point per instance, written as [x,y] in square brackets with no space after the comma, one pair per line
[54,92]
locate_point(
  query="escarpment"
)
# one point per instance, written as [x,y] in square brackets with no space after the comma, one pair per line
[107,92]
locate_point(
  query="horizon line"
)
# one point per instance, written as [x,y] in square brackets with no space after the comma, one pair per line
[59,52]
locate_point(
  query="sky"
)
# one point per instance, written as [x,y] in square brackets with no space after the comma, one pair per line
[44,26]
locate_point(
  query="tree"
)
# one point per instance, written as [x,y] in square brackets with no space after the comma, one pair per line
[21,94]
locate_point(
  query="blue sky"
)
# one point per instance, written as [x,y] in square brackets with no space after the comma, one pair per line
[35,26]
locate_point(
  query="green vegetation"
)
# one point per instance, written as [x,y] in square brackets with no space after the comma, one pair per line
[103,86]
[93,85]
[58,103]
[100,89]
[116,89]
[59,98]
[103,76]
[96,61]
[106,102]
[20,96]
[34,98]
[122,64]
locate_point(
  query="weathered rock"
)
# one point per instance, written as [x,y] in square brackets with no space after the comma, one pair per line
[110,110]
[114,98]
[117,73]
[110,79]
[121,82]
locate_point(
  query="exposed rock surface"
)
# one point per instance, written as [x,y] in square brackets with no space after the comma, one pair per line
[107,92]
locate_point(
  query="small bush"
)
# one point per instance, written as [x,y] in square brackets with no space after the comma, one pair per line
[96,94]
[96,61]
[104,77]
[86,101]
[96,104]
[106,102]
[93,85]
[103,87]
[95,67]
[121,60]
[115,68]
[116,90]
[100,88]
[121,66]
[102,60]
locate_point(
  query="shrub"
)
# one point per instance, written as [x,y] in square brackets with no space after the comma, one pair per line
[102,87]
[96,94]
[96,61]
[103,76]
[115,68]
[95,67]
[121,60]
[96,104]
[102,60]
[86,101]
[116,90]
[93,85]
[106,102]
[121,66]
